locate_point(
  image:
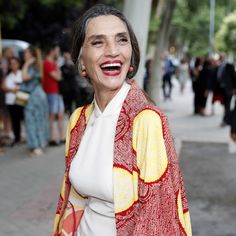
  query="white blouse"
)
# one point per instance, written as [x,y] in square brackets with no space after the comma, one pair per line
[12,81]
[91,169]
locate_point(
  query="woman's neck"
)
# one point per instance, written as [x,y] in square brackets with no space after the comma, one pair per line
[104,97]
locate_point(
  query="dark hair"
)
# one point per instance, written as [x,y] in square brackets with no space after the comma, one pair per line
[37,54]
[50,46]
[79,29]
[15,59]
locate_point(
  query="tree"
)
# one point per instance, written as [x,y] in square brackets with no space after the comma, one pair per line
[191,24]
[42,21]
[162,43]
[11,12]
[226,36]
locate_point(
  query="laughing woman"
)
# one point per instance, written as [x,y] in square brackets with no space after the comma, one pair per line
[122,176]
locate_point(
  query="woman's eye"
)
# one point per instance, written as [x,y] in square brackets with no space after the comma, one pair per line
[97,43]
[123,40]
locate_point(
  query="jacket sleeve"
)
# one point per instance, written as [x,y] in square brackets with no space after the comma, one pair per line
[161,193]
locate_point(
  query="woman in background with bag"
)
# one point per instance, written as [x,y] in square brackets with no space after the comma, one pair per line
[10,87]
[36,110]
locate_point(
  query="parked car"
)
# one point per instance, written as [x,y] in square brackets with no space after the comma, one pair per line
[17,45]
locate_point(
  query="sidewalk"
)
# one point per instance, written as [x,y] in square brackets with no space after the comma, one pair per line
[208,168]
[186,126]
[29,191]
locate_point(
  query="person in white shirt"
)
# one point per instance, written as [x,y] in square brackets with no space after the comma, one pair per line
[11,86]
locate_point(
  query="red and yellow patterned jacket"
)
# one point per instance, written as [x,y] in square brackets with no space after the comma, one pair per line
[149,195]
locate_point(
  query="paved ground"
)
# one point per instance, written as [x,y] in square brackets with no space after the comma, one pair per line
[29,187]
[210,180]
[207,166]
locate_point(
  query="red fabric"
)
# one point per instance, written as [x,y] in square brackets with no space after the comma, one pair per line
[218,98]
[155,213]
[50,85]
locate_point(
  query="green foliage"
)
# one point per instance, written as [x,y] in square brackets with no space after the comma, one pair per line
[66,3]
[226,36]
[14,10]
[43,21]
[191,23]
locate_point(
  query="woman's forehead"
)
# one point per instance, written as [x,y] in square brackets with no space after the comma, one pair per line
[105,25]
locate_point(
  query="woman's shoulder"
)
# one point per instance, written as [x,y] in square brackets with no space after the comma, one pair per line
[149,116]
[83,110]
[76,113]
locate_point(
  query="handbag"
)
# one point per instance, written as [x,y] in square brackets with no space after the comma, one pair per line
[22,98]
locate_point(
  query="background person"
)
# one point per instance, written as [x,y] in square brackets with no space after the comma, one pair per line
[7,54]
[11,86]
[183,73]
[168,71]
[122,176]
[51,78]
[36,110]
[69,87]
[226,78]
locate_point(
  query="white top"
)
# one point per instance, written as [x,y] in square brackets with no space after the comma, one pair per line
[12,81]
[183,72]
[91,169]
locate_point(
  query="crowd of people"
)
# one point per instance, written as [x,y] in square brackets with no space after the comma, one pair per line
[219,78]
[215,76]
[53,88]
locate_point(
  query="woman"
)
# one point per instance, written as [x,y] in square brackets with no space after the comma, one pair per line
[183,74]
[10,86]
[195,71]
[122,176]
[203,86]
[36,110]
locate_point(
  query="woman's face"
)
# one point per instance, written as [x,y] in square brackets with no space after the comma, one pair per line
[27,54]
[106,52]
[14,65]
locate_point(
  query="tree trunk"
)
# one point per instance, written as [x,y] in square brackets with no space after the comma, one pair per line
[160,8]
[140,24]
[162,44]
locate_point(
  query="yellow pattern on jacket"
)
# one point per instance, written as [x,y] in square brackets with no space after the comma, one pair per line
[152,162]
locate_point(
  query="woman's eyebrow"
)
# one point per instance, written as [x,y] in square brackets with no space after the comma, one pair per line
[100,36]
[96,36]
[122,34]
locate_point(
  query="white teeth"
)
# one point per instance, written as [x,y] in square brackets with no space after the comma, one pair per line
[110,65]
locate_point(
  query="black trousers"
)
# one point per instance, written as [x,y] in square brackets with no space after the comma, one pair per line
[16,114]
[233,120]
[166,85]
[227,99]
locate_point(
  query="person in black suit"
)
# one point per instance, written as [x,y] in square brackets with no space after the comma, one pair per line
[226,79]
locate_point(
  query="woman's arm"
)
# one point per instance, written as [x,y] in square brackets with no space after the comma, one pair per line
[6,89]
[25,69]
[161,194]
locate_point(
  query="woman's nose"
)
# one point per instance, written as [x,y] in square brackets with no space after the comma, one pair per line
[111,49]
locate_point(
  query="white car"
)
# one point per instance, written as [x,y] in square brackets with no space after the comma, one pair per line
[17,45]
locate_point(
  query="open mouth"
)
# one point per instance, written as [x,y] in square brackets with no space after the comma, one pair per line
[111,66]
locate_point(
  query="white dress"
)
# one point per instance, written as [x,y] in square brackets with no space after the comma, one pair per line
[91,169]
